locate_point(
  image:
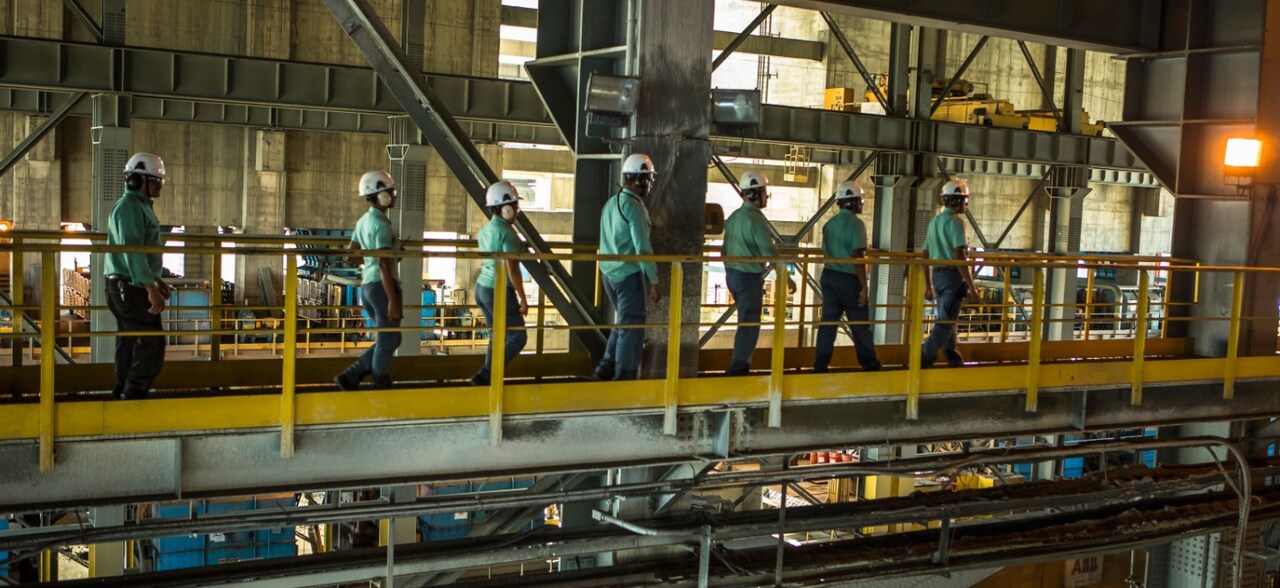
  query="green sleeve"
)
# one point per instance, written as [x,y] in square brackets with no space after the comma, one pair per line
[764,238]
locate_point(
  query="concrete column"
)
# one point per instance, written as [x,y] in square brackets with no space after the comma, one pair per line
[35,182]
[262,212]
[199,266]
[675,38]
[409,168]
[107,559]
[1073,93]
[891,230]
[111,137]
[1067,190]
[406,528]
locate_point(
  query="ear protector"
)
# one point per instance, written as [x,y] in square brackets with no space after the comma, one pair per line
[385,198]
[135,181]
[508,213]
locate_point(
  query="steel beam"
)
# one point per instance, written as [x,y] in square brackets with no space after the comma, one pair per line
[85,19]
[433,118]
[281,93]
[39,133]
[742,37]
[1101,25]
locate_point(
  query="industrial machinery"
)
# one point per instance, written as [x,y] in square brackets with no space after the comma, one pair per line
[963,105]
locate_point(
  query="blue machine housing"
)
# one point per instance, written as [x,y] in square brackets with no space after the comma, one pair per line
[442,527]
[191,551]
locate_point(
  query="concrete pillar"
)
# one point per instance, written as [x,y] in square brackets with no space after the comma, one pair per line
[1073,92]
[262,211]
[199,266]
[671,61]
[107,559]
[405,529]
[1067,190]
[409,168]
[111,137]
[891,230]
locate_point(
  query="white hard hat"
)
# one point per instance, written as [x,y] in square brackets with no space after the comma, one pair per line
[638,163]
[955,188]
[147,164]
[848,190]
[375,181]
[751,180]
[500,193]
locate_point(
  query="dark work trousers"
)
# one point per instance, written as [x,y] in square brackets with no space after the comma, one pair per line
[138,359]
[376,360]
[622,354]
[748,294]
[950,289]
[840,291]
[515,338]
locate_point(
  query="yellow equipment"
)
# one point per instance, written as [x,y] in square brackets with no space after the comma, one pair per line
[1044,120]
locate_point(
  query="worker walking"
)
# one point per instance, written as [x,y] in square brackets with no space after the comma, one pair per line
[379,289]
[624,230]
[500,237]
[844,285]
[136,294]
[949,285]
[748,234]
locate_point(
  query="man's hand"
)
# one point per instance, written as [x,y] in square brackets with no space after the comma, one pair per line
[862,299]
[929,294]
[524,308]
[791,286]
[155,298]
[164,288]
[395,312]
[654,293]
[971,293]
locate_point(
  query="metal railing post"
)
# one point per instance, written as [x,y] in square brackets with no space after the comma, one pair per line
[1006,304]
[542,321]
[1140,337]
[288,407]
[498,343]
[915,338]
[215,306]
[777,364]
[803,307]
[1036,333]
[17,268]
[48,331]
[1088,302]
[1233,338]
[671,391]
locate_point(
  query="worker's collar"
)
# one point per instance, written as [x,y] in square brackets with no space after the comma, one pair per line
[137,194]
[631,193]
[749,204]
[844,211]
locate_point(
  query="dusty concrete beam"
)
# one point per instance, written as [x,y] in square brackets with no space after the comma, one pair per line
[755,44]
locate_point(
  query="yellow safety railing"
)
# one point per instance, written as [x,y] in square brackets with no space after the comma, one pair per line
[674,391]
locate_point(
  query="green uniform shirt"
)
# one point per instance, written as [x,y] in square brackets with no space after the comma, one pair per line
[373,232]
[496,237]
[946,232]
[133,222]
[747,234]
[624,230]
[844,234]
